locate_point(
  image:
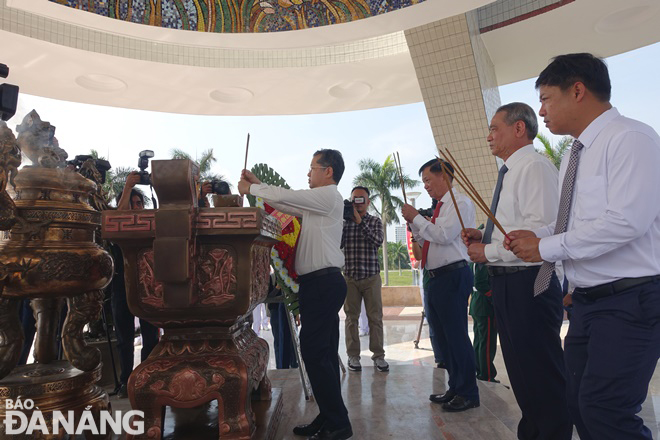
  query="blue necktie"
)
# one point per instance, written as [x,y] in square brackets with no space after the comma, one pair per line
[488,232]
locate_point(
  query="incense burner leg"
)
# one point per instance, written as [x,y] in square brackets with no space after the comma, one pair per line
[153,424]
[264,390]
[11,335]
[82,310]
[46,313]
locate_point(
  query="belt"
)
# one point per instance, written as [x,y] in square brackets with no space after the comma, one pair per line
[494,271]
[318,273]
[609,289]
[447,268]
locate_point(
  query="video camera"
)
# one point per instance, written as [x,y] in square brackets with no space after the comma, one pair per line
[143,163]
[348,207]
[101,165]
[8,96]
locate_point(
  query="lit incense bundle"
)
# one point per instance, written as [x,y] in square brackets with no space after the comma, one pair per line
[399,170]
[446,173]
[470,190]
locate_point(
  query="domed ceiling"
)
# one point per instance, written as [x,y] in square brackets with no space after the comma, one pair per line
[241,57]
[238,16]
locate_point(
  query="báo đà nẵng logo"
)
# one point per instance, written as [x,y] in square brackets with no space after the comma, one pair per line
[17,421]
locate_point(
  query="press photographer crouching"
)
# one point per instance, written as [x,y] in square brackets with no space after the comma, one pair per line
[361,238]
[124,320]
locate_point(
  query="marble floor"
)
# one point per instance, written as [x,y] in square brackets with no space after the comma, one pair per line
[395,405]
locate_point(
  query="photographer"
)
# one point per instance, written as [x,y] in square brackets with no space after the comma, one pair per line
[215,186]
[129,199]
[128,196]
[361,238]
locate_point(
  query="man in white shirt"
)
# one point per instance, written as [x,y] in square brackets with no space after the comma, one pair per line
[607,234]
[322,286]
[525,197]
[450,282]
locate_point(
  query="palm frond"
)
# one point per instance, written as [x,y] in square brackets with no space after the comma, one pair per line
[206,161]
[177,153]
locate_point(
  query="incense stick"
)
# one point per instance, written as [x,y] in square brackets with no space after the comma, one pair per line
[472,192]
[453,199]
[397,165]
[247,147]
[467,187]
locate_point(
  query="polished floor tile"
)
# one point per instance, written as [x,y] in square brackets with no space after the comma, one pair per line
[395,405]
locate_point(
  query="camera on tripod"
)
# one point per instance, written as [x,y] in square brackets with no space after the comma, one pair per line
[102,165]
[8,96]
[143,163]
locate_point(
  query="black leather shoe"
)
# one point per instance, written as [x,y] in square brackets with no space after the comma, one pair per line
[442,398]
[122,392]
[459,404]
[311,428]
[340,434]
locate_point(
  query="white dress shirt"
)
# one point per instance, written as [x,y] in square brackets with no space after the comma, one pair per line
[528,200]
[613,229]
[446,245]
[322,211]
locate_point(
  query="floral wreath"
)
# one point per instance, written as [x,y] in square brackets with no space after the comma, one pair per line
[283,253]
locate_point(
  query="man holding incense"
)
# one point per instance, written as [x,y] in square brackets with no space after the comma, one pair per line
[450,281]
[607,234]
[525,197]
[322,286]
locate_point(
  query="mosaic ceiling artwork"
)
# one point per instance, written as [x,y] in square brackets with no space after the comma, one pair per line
[236,16]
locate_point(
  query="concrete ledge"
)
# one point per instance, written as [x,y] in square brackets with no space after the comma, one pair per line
[401,296]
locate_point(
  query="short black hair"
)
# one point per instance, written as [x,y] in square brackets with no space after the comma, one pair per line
[566,70]
[333,159]
[436,167]
[134,192]
[363,188]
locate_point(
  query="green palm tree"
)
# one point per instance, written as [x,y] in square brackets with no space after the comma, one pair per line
[381,180]
[398,253]
[554,152]
[205,163]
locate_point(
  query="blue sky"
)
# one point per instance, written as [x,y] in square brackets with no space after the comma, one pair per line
[286,143]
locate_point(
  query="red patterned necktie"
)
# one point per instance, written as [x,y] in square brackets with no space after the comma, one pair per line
[425,249]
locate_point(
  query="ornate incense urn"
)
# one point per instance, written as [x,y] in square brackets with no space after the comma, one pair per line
[48,255]
[198,273]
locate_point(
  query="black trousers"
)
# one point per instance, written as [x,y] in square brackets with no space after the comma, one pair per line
[125,331]
[612,349]
[448,295]
[531,346]
[320,300]
[285,356]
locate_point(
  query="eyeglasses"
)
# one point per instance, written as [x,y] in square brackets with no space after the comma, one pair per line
[311,168]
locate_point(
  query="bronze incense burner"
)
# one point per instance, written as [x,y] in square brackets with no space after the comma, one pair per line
[48,255]
[198,273]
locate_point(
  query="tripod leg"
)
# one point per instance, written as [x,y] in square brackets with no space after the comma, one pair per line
[112,355]
[341,365]
[307,388]
[419,331]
